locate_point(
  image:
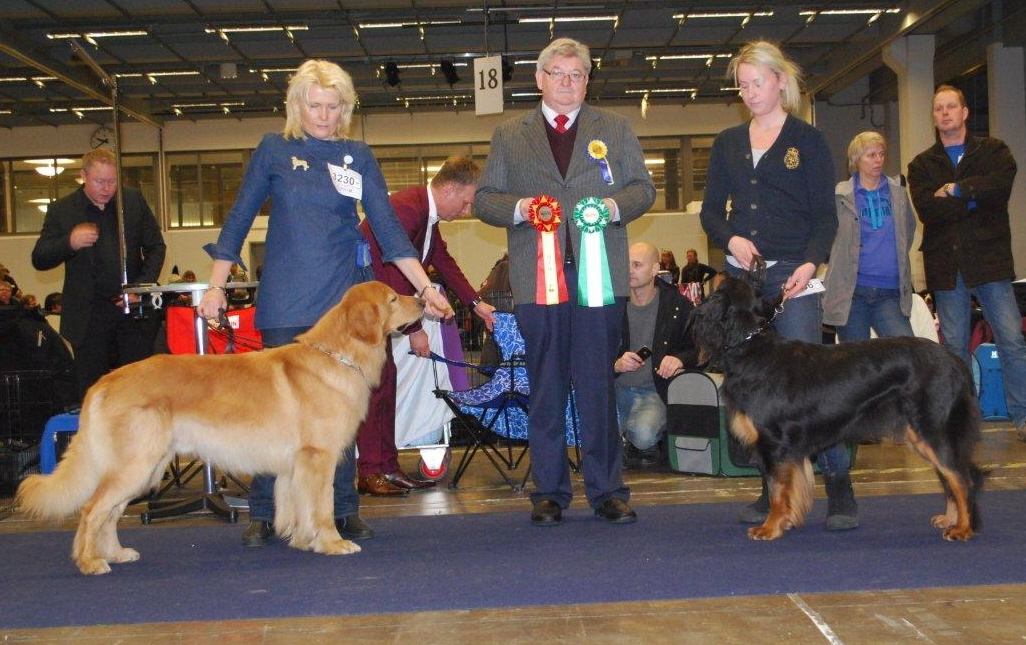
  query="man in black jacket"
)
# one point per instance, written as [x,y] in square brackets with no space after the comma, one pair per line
[960,188]
[654,348]
[80,231]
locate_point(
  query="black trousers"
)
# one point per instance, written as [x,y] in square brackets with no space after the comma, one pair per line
[112,339]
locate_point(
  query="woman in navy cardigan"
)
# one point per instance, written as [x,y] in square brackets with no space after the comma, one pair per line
[779,175]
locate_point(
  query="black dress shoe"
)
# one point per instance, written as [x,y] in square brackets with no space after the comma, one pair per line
[402,480]
[616,511]
[546,513]
[258,533]
[351,527]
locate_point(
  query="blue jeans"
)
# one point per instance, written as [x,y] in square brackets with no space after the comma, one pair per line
[261,490]
[642,415]
[801,319]
[872,307]
[1000,310]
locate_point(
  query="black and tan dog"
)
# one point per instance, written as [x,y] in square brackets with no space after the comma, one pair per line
[790,400]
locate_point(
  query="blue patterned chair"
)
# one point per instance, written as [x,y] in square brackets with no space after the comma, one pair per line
[494,414]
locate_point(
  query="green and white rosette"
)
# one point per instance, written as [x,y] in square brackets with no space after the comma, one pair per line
[594,282]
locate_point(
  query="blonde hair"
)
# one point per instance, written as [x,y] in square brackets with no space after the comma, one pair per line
[98,155]
[862,142]
[567,47]
[328,76]
[763,53]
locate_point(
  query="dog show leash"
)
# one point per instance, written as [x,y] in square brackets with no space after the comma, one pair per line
[779,309]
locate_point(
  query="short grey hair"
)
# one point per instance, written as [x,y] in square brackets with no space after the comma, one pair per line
[565,47]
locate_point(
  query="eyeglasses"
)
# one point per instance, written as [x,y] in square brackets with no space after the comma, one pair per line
[558,75]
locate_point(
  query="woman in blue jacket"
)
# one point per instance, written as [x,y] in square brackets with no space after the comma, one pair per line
[314,177]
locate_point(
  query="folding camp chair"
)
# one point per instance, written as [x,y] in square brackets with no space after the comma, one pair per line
[497,410]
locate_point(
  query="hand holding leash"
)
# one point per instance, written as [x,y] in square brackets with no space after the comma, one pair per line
[436,304]
[214,300]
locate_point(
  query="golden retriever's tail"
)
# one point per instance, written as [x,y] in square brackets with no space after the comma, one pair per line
[55,496]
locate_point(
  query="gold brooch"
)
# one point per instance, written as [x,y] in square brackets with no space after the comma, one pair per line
[791,159]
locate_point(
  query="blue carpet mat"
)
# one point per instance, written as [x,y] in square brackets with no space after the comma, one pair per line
[500,560]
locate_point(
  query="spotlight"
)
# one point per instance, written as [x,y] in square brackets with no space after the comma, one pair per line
[449,70]
[507,70]
[392,73]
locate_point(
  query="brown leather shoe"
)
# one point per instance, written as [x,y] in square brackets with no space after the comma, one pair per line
[378,485]
[402,480]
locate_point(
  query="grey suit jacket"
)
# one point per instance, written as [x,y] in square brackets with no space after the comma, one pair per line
[520,165]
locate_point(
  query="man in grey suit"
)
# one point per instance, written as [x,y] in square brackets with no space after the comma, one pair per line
[564,180]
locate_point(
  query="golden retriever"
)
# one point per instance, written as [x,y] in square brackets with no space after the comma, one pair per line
[289,411]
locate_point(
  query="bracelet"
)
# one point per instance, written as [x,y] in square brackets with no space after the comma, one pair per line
[219,288]
[420,294]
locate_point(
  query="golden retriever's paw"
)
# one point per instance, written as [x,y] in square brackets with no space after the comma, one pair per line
[942,521]
[764,533]
[93,566]
[956,534]
[124,554]
[337,547]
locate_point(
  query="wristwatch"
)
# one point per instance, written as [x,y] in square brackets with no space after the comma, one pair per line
[475,302]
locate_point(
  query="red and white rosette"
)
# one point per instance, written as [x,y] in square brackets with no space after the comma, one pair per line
[545,214]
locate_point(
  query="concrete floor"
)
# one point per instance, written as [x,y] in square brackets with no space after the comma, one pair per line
[962,615]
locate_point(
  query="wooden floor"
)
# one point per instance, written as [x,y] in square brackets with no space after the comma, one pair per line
[962,615]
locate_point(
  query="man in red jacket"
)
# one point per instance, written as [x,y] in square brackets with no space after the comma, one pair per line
[449,195]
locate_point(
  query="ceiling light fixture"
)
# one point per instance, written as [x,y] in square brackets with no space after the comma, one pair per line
[572,19]
[436,97]
[662,57]
[392,73]
[874,14]
[88,35]
[663,90]
[50,167]
[254,29]
[408,25]
[449,71]
[186,106]
[41,202]
[81,108]
[723,14]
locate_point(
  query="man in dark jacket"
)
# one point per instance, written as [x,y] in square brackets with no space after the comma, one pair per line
[653,350]
[960,188]
[80,231]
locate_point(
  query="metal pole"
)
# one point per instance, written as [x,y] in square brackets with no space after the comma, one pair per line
[112,83]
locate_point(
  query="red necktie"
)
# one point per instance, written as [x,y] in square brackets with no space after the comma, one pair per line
[561,120]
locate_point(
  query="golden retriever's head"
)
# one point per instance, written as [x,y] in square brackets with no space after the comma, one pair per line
[368,312]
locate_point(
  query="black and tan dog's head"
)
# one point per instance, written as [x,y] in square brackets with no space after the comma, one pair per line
[729,316]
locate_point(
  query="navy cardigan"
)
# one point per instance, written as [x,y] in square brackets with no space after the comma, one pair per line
[784,205]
